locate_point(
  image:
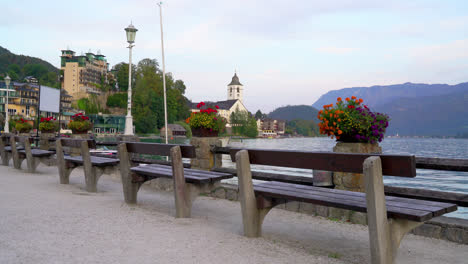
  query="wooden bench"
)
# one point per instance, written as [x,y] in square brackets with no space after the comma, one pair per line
[389,218]
[93,166]
[32,156]
[188,183]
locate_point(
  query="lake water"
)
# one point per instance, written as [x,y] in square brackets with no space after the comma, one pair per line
[450,181]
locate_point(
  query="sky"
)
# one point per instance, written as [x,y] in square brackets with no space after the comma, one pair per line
[285,52]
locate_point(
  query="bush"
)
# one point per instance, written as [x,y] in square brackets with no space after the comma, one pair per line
[117,100]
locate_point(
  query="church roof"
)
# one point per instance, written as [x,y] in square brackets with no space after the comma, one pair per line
[235,80]
[225,105]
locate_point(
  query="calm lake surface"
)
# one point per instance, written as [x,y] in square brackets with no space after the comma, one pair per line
[450,181]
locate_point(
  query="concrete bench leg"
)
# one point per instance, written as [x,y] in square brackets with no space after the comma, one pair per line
[32,164]
[93,174]
[185,193]
[252,216]
[64,173]
[130,188]
[6,158]
[384,235]
[91,177]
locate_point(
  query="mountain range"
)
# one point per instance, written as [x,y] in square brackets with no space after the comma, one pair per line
[414,109]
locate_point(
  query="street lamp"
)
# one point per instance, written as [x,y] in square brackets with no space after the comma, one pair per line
[164,69]
[7,117]
[131,32]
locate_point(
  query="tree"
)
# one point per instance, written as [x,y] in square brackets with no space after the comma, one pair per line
[180,86]
[122,77]
[243,124]
[258,114]
[14,71]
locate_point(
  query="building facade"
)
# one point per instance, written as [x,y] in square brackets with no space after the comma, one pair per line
[83,75]
[24,98]
[107,124]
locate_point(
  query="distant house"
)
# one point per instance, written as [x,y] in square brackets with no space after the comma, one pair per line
[227,107]
[271,127]
[173,131]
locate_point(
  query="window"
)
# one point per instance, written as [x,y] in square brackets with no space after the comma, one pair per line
[237,89]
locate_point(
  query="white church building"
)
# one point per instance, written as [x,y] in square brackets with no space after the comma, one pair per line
[234,100]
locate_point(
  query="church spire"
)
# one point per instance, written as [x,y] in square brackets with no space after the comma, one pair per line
[235,88]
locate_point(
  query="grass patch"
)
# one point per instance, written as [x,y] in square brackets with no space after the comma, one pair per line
[334,255]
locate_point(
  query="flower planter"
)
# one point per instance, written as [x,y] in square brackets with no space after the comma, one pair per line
[204,132]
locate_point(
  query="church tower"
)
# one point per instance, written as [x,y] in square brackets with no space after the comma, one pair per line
[235,89]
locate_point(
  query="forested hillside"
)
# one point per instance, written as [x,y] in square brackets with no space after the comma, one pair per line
[293,112]
[20,66]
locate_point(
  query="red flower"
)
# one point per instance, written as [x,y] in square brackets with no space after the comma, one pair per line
[217,107]
[350,106]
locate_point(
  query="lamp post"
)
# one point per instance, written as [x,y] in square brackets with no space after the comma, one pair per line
[7,117]
[164,70]
[131,32]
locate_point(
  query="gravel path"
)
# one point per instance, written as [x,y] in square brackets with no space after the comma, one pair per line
[42,221]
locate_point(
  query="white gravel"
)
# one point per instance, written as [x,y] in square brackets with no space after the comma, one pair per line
[42,221]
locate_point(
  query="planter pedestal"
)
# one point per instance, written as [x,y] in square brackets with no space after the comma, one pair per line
[352,181]
[44,142]
[205,159]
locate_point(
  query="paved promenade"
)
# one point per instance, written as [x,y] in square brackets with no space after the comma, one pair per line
[42,221]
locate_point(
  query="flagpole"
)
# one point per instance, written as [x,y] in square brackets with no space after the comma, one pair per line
[164,71]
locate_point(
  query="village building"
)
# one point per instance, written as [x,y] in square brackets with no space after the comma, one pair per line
[83,75]
[174,130]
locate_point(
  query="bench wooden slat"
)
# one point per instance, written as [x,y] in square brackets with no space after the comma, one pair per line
[38,152]
[392,165]
[210,174]
[153,174]
[8,148]
[395,212]
[95,161]
[188,151]
[191,176]
[360,197]
[443,207]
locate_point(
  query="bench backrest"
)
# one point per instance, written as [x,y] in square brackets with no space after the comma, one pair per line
[22,139]
[392,165]
[76,143]
[5,139]
[187,151]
